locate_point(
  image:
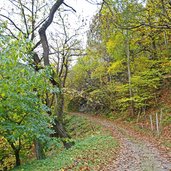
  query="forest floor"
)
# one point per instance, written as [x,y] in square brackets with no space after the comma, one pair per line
[137,152]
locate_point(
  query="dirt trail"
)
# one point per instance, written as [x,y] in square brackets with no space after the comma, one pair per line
[136,154]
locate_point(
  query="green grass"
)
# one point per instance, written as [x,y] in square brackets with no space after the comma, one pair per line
[80,127]
[94,148]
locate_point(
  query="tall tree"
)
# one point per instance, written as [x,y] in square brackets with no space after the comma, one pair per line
[127,51]
[23,115]
[30,14]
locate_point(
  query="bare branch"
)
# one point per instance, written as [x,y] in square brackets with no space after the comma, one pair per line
[41,7]
[36,45]
[69,6]
[12,23]
[12,1]
[24,17]
[11,33]
[38,25]
[63,24]
[33,20]
[93,2]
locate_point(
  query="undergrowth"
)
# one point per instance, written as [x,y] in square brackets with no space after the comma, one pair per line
[93,149]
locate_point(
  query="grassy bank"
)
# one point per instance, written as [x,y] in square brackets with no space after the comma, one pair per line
[93,149]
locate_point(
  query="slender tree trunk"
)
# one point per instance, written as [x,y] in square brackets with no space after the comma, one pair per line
[16,151]
[154,48]
[39,150]
[59,106]
[129,74]
[17,157]
[58,122]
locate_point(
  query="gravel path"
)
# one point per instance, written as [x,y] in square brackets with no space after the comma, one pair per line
[136,154]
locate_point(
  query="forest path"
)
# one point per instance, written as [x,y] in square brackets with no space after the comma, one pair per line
[136,153]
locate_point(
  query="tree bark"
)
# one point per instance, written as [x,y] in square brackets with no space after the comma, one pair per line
[42,32]
[17,157]
[61,132]
[59,104]
[129,74]
[16,152]
[39,150]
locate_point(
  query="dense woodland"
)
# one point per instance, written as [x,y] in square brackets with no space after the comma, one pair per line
[127,60]
[125,68]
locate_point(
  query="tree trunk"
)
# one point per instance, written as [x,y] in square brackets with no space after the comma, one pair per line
[39,150]
[16,151]
[61,132]
[59,106]
[58,122]
[58,127]
[17,157]
[129,74]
